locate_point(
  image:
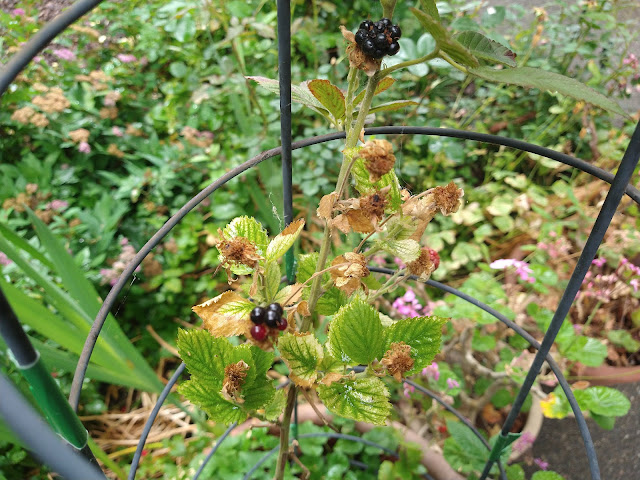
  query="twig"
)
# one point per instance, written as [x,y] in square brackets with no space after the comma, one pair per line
[170,348]
[315,409]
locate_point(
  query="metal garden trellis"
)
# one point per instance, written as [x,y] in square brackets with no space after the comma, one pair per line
[62,455]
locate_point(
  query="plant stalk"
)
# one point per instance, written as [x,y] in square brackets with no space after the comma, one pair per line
[283,455]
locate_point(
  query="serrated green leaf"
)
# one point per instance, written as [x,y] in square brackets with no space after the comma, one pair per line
[407,250]
[272,279]
[362,399]
[331,301]
[604,401]
[301,354]
[208,398]
[249,228]
[284,240]
[431,24]
[430,7]
[422,334]
[275,408]
[329,96]
[485,48]
[623,338]
[205,355]
[392,106]
[586,350]
[356,334]
[299,94]
[545,80]
[463,450]
[383,85]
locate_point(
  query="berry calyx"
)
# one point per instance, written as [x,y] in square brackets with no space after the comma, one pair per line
[377,39]
[257,315]
[282,325]
[259,332]
[272,318]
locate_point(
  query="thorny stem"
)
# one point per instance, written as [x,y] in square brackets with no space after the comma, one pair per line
[394,280]
[352,133]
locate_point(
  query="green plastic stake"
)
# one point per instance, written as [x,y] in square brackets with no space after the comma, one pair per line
[55,406]
[502,442]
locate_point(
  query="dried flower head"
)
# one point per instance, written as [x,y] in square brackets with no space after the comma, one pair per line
[378,158]
[110,113]
[52,101]
[234,376]
[360,214]
[80,135]
[448,199]
[349,269]
[397,360]
[425,264]
[237,251]
[113,149]
[28,116]
[357,57]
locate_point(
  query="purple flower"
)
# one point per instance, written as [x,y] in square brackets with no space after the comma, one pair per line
[524,442]
[4,260]
[84,147]
[541,463]
[126,58]
[432,371]
[16,12]
[57,205]
[599,262]
[452,383]
[408,305]
[522,268]
[64,54]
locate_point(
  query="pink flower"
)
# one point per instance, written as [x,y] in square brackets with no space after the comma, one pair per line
[399,262]
[541,463]
[4,260]
[124,241]
[57,205]
[117,131]
[126,58]
[522,268]
[408,390]
[452,383]
[408,305]
[16,12]
[84,147]
[64,54]
[635,283]
[599,262]
[524,442]
[432,371]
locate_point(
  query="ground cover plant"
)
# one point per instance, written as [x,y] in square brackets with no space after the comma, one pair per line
[145,162]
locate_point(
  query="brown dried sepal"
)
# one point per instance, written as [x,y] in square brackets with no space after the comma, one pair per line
[361,214]
[234,375]
[378,158]
[357,58]
[422,266]
[219,323]
[331,377]
[349,269]
[325,209]
[237,251]
[397,360]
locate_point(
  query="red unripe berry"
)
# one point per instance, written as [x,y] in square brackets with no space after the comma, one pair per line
[282,325]
[259,332]
[435,258]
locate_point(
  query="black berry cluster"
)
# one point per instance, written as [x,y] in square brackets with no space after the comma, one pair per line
[265,318]
[377,39]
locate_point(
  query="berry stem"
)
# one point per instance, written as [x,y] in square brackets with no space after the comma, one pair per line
[388,6]
[436,53]
[283,455]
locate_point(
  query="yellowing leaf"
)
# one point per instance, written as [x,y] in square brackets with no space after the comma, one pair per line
[289,294]
[284,240]
[226,315]
[301,354]
[329,96]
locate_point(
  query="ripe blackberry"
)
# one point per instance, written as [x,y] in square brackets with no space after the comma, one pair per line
[276,307]
[259,332]
[257,315]
[377,39]
[272,318]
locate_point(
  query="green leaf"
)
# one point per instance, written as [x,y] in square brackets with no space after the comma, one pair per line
[365,186]
[362,399]
[463,450]
[485,48]
[272,279]
[284,240]
[329,96]
[544,80]
[623,338]
[249,228]
[299,94]
[258,390]
[355,334]
[603,401]
[607,423]
[431,23]
[586,350]
[407,250]
[22,244]
[208,398]
[332,299]
[205,356]
[392,106]
[383,85]
[422,334]
[301,354]
[274,409]
[430,7]
[546,475]
[515,472]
